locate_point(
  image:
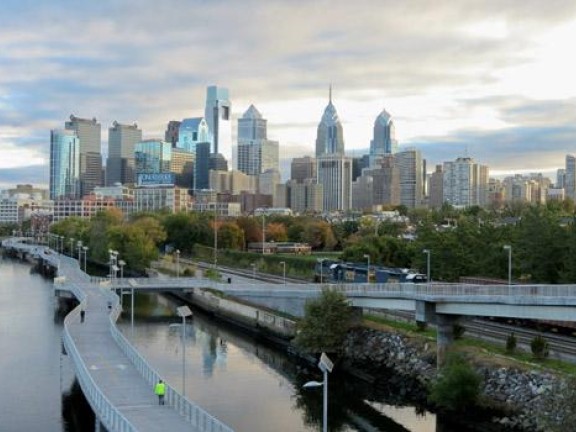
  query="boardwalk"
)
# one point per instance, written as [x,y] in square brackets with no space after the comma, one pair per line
[116,380]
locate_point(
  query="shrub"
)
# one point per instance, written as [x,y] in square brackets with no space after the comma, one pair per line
[539,347]
[511,343]
[457,386]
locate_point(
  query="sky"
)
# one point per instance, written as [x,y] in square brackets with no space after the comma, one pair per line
[493,80]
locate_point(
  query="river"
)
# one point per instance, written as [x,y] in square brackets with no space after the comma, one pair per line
[237,378]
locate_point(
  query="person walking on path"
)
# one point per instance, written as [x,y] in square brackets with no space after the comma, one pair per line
[82,315]
[160,390]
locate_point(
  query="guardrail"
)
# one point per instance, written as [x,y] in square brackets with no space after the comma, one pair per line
[105,411]
[202,420]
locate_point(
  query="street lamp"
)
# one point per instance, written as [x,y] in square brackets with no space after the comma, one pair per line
[79,248]
[321,271]
[85,249]
[283,263]
[113,262]
[509,249]
[427,252]
[216,233]
[368,268]
[325,365]
[253,271]
[72,247]
[177,263]
[183,311]
[263,232]
[121,263]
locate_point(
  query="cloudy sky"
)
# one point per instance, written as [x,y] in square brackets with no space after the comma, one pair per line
[495,80]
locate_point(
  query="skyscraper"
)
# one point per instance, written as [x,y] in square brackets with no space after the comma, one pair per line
[256,154]
[152,157]
[330,138]
[384,141]
[89,134]
[303,168]
[202,166]
[334,170]
[64,164]
[218,115]
[410,165]
[191,132]
[122,141]
[570,177]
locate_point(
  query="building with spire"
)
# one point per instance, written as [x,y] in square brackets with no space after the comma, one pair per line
[330,138]
[334,170]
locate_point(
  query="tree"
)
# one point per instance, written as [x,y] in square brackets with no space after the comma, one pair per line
[326,322]
[319,235]
[276,231]
[539,347]
[230,236]
[458,385]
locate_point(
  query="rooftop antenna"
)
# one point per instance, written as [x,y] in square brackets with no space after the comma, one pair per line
[330,93]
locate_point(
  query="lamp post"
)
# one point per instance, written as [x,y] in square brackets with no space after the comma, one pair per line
[113,264]
[509,249]
[368,268]
[283,263]
[184,311]
[72,247]
[321,271]
[253,271]
[263,232]
[427,252]
[325,365]
[85,249]
[79,248]
[177,263]
[216,234]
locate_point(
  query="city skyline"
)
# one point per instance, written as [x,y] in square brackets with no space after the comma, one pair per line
[490,80]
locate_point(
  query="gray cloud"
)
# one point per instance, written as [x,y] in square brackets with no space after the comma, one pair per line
[149,62]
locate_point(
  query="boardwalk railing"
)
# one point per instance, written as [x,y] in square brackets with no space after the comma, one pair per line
[199,418]
[108,414]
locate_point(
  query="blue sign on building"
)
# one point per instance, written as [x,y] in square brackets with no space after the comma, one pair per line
[155,179]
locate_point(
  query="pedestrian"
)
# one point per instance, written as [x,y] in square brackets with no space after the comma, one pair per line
[82,315]
[160,390]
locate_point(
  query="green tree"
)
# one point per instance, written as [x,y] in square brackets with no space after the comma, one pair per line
[325,324]
[230,236]
[457,386]
[319,235]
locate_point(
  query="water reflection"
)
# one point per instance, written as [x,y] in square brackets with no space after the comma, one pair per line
[255,387]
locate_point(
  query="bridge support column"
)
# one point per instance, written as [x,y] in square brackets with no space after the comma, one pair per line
[445,336]
[97,425]
[425,313]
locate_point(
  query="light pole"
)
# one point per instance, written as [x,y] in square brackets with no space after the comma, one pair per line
[509,249]
[325,365]
[121,263]
[216,234]
[79,248]
[184,311]
[263,232]
[368,268]
[113,264]
[177,263]
[72,247]
[85,249]
[253,271]
[283,263]
[321,271]
[427,252]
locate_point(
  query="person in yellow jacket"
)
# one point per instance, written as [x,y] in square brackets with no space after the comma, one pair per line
[160,390]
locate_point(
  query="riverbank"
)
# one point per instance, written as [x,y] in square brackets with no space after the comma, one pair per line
[519,393]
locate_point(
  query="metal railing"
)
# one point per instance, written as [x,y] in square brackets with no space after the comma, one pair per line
[198,417]
[105,411]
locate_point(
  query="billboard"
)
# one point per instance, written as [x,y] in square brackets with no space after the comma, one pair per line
[155,179]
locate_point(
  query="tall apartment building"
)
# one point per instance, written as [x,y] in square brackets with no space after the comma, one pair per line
[384,140]
[570,177]
[64,164]
[411,168]
[465,183]
[218,115]
[256,153]
[436,188]
[89,133]
[122,141]
[386,182]
[268,180]
[191,132]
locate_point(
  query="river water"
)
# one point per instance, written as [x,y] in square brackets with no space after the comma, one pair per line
[240,380]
